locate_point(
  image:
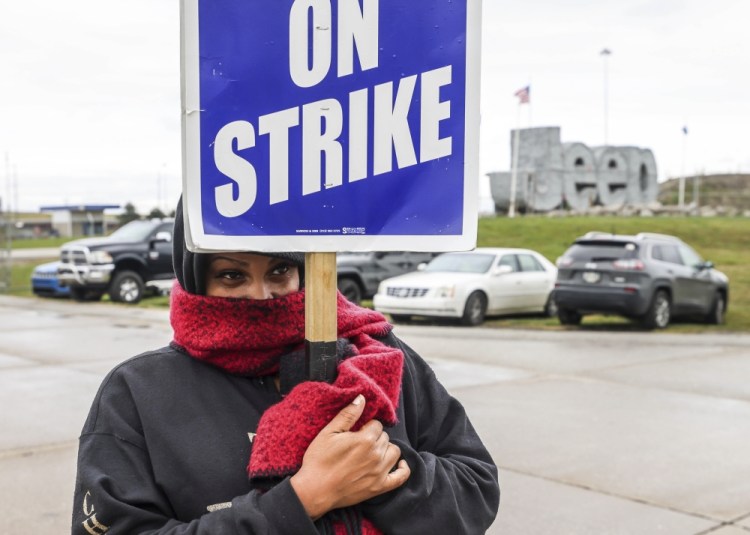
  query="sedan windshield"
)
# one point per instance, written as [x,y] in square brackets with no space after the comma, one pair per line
[461,263]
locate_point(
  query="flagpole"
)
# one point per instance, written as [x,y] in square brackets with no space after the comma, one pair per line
[514,167]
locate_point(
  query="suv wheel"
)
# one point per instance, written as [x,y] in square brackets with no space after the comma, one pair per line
[568,316]
[659,313]
[475,309]
[716,316]
[351,290]
[126,287]
[550,309]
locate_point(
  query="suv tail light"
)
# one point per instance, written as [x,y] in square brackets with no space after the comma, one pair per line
[632,264]
[564,261]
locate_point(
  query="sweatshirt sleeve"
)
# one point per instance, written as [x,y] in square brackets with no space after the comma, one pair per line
[453,487]
[116,492]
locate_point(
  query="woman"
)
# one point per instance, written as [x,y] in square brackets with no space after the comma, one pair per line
[220,433]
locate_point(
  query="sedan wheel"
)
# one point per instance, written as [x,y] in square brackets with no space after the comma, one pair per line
[550,309]
[400,318]
[475,309]
[716,316]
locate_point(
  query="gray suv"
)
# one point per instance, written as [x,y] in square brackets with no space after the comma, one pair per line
[648,277]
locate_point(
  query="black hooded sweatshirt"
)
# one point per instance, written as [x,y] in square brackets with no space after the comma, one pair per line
[167,441]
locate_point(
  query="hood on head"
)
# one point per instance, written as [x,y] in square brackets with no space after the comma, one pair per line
[190,268]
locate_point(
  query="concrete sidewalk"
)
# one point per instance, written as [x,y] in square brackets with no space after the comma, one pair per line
[35,254]
[594,432]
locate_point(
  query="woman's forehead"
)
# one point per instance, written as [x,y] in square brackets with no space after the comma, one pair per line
[243,258]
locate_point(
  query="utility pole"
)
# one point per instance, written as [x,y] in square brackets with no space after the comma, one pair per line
[5,232]
[605,53]
[681,190]
[524,97]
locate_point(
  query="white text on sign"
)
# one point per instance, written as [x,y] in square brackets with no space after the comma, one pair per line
[321,122]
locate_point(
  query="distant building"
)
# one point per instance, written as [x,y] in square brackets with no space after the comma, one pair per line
[553,175]
[81,220]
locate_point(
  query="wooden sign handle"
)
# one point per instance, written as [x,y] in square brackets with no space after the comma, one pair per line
[320,316]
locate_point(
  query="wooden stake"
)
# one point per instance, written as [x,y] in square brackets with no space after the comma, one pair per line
[320,316]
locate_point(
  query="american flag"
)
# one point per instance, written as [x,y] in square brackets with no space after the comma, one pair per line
[523,94]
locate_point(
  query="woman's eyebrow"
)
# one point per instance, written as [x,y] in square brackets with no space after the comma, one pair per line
[229,259]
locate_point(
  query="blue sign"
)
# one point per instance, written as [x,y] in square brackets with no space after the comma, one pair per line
[325,125]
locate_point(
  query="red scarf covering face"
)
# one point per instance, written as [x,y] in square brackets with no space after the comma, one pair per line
[248,337]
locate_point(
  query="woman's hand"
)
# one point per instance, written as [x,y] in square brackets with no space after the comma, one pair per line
[343,467]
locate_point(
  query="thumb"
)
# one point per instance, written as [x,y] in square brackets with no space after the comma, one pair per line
[347,416]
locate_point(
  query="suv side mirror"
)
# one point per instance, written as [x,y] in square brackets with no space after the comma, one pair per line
[422,266]
[706,265]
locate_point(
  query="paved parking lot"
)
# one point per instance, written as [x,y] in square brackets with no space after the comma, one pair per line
[594,433]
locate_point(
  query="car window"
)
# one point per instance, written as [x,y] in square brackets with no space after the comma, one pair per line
[509,260]
[462,263]
[689,257]
[666,253]
[134,231]
[529,263]
[600,251]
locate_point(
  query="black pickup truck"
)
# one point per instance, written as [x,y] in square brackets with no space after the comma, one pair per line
[135,258]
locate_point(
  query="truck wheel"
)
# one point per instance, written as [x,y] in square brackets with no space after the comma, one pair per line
[474,310]
[568,316]
[126,287]
[351,290]
[659,313]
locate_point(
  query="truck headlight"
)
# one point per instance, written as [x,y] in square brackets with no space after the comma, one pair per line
[100,257]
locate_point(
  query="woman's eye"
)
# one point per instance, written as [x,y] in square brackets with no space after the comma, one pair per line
[229,275]
[281,269]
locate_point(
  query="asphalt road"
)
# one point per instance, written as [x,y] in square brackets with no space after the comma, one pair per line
[594,433]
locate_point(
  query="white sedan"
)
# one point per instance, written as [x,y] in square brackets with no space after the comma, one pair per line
[471,285]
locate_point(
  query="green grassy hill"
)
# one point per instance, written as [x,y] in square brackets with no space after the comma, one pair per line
[731,192]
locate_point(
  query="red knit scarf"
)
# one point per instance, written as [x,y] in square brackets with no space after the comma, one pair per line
[248,337]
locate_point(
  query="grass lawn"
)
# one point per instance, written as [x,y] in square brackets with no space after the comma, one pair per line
[724,241]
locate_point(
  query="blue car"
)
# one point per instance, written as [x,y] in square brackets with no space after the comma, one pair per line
[44,282]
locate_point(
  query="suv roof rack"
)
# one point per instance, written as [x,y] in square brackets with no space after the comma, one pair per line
[597,234]
[656,236]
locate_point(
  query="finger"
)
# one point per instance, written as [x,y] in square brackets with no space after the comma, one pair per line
[372,430]
[398,477]
[347,416]
[392,455]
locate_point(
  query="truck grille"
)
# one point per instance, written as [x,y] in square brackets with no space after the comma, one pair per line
[407,292]
[73,256]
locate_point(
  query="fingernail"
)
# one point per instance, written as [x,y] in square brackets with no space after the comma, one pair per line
[358,400]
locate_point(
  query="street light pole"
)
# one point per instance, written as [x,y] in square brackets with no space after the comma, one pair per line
[605,53]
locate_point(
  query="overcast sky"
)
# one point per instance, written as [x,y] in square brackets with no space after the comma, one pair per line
[90,89]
